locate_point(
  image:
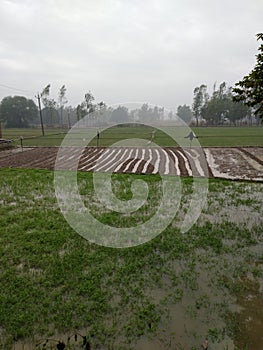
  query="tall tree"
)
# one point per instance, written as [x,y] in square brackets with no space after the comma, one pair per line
[144,113]
[18,111]
[250,88]
[103,114]
[45,95]
[52,106]
[184,112]
[220,107]
[120,114]
[89,98]
[200,98]
[237,110]
[79,111]
[49,104]
[62,101]
[149,114]
[215,107]
[88,107]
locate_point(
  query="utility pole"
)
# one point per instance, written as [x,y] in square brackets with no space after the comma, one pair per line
[40,114]
[68,121]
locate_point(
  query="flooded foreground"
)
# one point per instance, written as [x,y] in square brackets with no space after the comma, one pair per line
[180,291]
[208,299]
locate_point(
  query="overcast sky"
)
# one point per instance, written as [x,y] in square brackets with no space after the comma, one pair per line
[126,50]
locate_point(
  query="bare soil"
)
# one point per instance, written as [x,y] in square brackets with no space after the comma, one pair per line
[223,162]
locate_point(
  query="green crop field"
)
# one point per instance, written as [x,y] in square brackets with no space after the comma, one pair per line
[175,290]
[230,136]
[207,136]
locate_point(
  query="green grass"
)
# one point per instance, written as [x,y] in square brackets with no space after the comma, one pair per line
[16,133]
[207,136]
[55,282]
[230,136]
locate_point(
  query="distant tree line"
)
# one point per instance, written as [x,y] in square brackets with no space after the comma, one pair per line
[20,112]
[219,108]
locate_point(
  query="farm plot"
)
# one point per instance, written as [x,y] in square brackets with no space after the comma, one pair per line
[236,163]
[222,162]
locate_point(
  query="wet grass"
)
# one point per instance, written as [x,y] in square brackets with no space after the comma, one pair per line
[177,289]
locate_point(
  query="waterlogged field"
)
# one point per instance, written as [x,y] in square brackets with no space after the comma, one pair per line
[170,293]
[207,136]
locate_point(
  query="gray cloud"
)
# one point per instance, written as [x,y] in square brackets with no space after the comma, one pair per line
[153,51]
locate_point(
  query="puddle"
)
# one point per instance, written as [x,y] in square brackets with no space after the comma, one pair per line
[240,216]
[250,317]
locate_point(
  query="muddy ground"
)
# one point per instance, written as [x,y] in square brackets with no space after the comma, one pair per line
[222,162]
